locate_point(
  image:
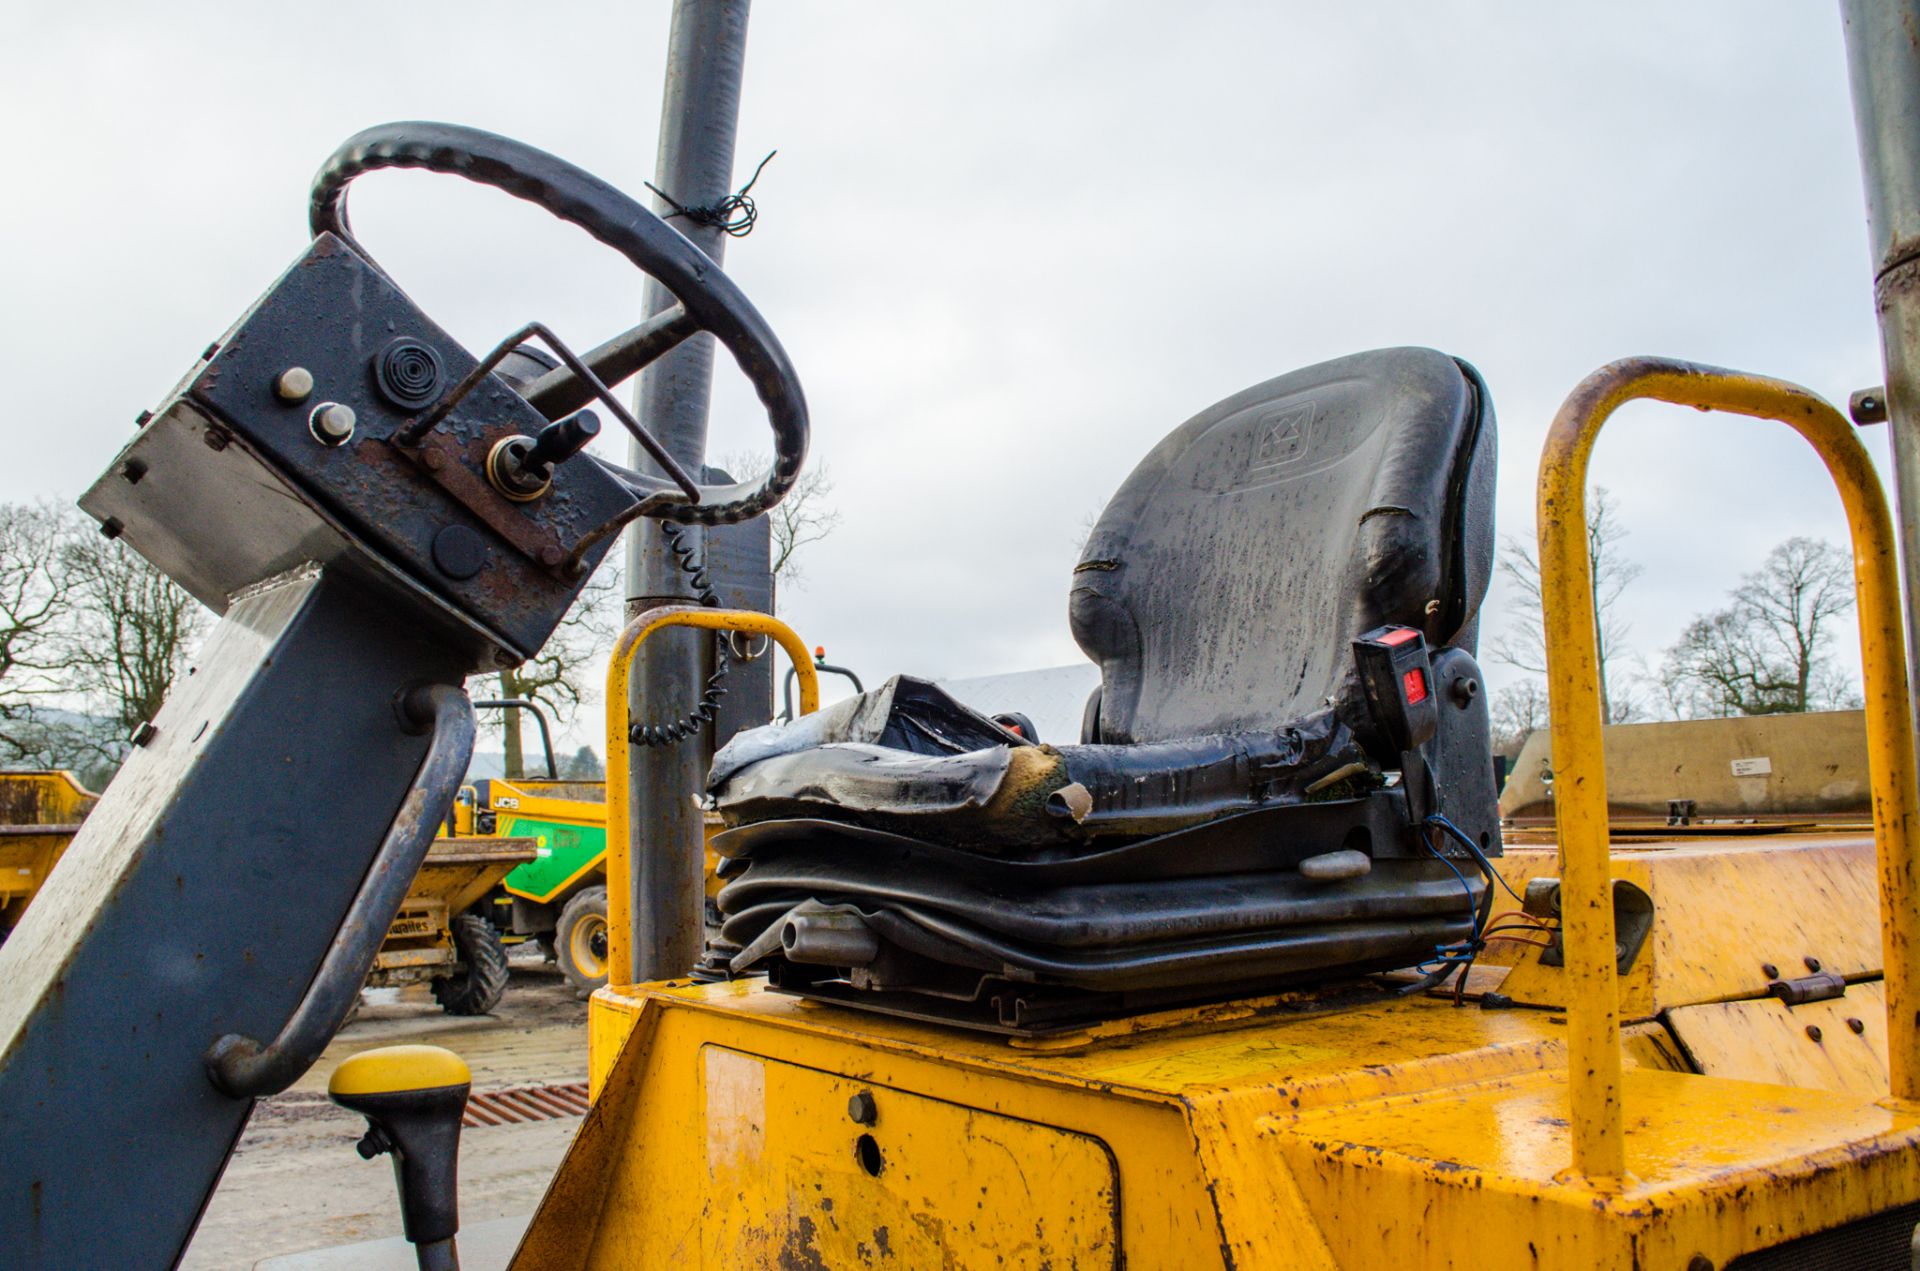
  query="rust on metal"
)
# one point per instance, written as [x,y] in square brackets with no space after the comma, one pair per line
[444,464]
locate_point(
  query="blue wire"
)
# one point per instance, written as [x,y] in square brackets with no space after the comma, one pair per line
[1456,955]
[1486,866]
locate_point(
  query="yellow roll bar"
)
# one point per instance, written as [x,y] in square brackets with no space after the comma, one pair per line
[620,746]
[1580,778]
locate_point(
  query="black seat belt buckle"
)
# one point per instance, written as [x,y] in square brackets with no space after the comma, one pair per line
[1398,677]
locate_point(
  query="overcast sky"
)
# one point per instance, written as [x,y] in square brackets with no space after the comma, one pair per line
[1008,245]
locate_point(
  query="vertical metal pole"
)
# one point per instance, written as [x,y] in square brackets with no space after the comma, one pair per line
[706,50]
[1883,63]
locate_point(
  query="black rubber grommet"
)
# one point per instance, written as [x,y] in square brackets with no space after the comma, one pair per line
[407,373]
[459,552]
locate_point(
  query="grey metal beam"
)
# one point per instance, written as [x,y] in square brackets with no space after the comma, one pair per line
[706,51]
[1883,63]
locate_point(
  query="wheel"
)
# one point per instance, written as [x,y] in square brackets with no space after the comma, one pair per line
[709,301]
[477,986]
[581,939]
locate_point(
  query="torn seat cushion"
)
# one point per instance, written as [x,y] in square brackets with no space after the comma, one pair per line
[907,757]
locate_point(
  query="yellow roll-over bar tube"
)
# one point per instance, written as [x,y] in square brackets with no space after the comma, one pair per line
[620,746]
[1580,779]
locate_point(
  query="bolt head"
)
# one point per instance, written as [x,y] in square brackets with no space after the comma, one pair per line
[1858,1026]
[1868,406]
[144,733]
[862,1110]
[1813,964]
[331,423]
[1813,1031]
[1769,970]
[294,385]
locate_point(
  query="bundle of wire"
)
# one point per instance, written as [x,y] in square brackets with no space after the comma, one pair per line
[1457,959]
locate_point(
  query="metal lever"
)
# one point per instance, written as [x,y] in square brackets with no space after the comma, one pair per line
[412,1098]
[563,439]
[522,467]
[240,1066]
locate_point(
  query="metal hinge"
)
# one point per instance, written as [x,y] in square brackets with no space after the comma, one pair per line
[1809,988]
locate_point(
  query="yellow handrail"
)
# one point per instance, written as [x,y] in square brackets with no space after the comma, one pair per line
[1580,779]
[620,746]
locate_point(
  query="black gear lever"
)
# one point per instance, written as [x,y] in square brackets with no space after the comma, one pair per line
[562,439]
[522,467]
[412,1097]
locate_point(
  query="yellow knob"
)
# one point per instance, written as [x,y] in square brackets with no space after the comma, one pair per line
[392,1069]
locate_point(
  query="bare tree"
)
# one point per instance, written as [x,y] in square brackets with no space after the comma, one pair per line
[558,676]
[35,735]
[1518,710]
[804,516]
[1524,644]
[35,609]
[34,603]
[91,640]
[1767,652]
[131,626]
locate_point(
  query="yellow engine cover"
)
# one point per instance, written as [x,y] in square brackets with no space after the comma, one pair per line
[907,1181]
[729,1131]
[735,1127]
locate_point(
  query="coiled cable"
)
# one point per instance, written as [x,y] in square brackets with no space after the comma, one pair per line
[703,713]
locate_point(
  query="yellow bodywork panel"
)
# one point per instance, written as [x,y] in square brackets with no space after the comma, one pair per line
[1409,1133]
[1838,1044]
[1723,913]
[891,1185]
[1468,1178]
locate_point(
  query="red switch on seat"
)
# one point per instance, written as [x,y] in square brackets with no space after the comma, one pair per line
[1398,677]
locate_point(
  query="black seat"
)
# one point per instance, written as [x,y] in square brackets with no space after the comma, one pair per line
[1283,602]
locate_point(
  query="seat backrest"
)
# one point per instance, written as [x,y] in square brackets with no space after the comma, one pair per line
[1222,586]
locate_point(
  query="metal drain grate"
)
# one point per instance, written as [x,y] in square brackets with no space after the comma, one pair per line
[528,1103]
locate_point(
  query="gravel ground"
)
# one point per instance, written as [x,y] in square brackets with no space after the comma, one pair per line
[296,1183]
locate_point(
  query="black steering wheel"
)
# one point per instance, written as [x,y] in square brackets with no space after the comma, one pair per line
[709,301]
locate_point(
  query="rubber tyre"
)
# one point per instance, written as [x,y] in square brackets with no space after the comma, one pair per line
[481,981]
[580,940]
